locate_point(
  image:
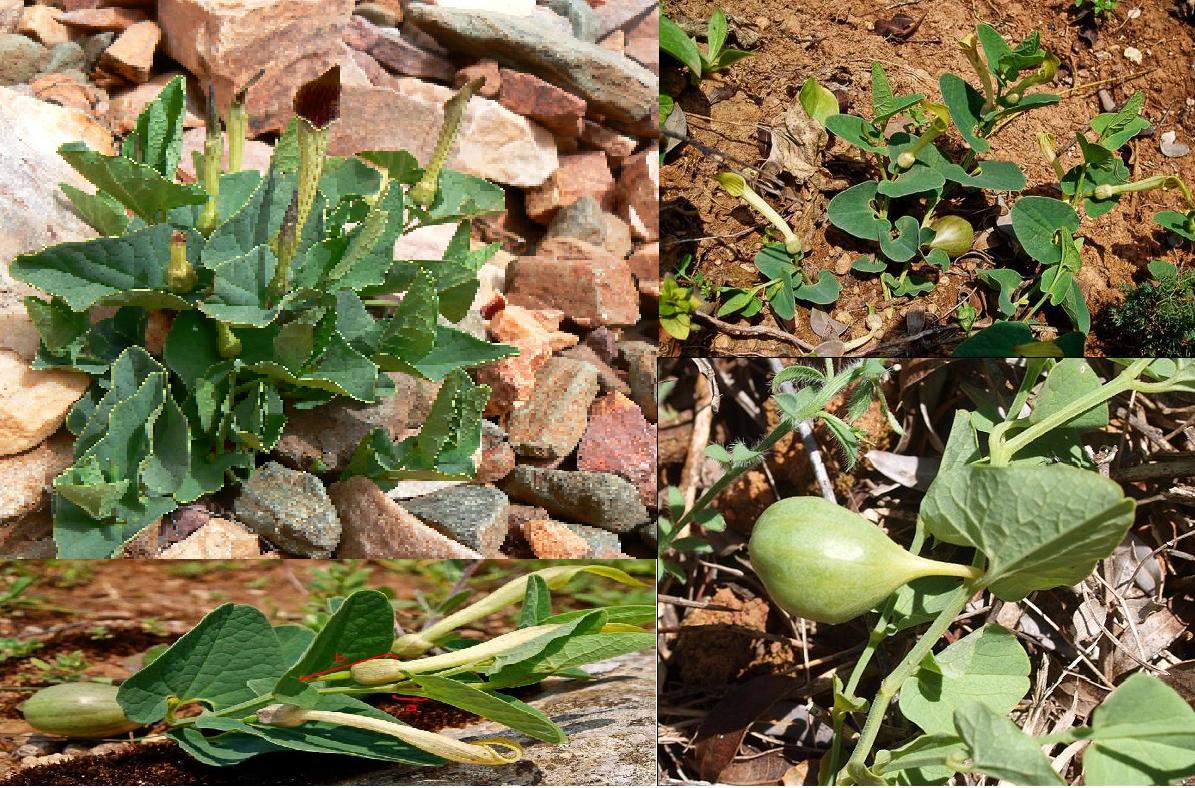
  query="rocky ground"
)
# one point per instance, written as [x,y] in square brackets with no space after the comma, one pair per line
[565,122]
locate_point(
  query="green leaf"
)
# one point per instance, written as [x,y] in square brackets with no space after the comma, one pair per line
[1142,734]
[869,264]
[241,290]
[138,187]
[103,213]
[919,601]
[857,131]
[917,179]
[1039,526]
[824,291]
[209,664]
[908,284]
[902,248]
[1000,749]
[455,349]
[361,628]
[988,666]
[165,470]
[1069,380]
[1006,280]
[399,165]
[59,328]
[677,43]
[157,139]
[258,419]
[250,224]
[1117,128]
[995,48]
[1176,223]
[501,709]
[410,333]
[715,36]
[344,177]
[1036,221]
[191,347]
[537,602]
[83,273]
[852,210]
[460,196]
[966,110]
[884,104]
[817,101]
[578,650]
[1000,176]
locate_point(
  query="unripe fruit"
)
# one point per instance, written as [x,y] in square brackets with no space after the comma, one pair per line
[906,160]
[825,563]
[79,709]
[953,235]
[1103,192]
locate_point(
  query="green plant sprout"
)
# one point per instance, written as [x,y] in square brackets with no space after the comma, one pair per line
[236,686]
[716,57]
[677,305]
[1023,496]
[265,288]
[1100,8]
[914,174]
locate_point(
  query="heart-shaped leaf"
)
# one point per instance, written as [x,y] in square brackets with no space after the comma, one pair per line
[852,210]
[1036,221]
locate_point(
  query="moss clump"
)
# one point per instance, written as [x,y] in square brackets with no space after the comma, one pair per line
[1157,317]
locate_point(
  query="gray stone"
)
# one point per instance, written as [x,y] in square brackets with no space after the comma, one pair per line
[94,46]
[579,15]
[291,509]
[474,515]
[641,374]
[378,14]
[20,58]
[67,56]
[601,499]
[603,542]
[648,533]
[586,221]
[551,423]
[611,727]
[615,87]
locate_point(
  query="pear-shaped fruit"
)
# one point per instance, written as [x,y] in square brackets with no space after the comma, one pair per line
[954,235]
[78,709]
[825,563]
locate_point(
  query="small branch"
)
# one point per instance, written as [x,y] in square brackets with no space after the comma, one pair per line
[751,332]
[703,419]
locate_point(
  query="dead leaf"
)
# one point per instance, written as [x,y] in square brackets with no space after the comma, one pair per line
[825,326]
[899,27]
[767,769]
[721,733]
[796,147]
[1154,634]
[905,469]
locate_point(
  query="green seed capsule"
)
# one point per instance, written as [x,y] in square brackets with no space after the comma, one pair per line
[953,235]
[825,563]
[80,710]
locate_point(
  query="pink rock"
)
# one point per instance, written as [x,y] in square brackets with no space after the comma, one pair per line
[40,23]
[125,106]
[63,90]
[645,267]
[373,526]
[10,14]
[34,402]
[615,42]
[25,478]
[100,19]
[483,69]
[294,41]
[619,440]
[395,53]
[512,379]
[550,539]
[550,424]
[494,143]
[639,194]
[585,282]
[643,42]
[578,174]
[532,97]
[616,146]
[132,53]
[218,539]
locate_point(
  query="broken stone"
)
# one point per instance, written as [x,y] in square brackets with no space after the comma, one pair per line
[494,143]
[483,69]
[619,440]
[95,20]
[375,526]
[132,53]
[579,174]
[639,194]
[474,515]
[550,539]
[68,56]
[33,403]
[585,282]
[497,456]
[616,146]
[20,58]
[291,509]
[617,88]
[66,90]
[645,267]
[608,377]
[381,14]
[218,539]
[543,102]
[586,221]
[512,379]
[599,499]
[40,23]
[641,375]
[10,14]
[550,424]
[395,53]
[294,41]
[25,478]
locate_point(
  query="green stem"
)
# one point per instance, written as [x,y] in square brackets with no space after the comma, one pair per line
[856,768]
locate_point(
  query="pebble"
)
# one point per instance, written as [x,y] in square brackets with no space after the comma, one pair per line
[583,281]
[599,499]
[586,221]
[550,539]
[67,56]
[375,526]
[619,440]
[550,424]
[291,509]
[33,403]
[217,539]
[475,515]
[641,375]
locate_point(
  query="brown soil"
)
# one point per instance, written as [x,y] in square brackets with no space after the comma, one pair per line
[835,39]
[112,611]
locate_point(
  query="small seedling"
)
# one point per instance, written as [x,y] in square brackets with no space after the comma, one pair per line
[236,686]
[1100,8]
[677,305]
[263,288]
[716,57]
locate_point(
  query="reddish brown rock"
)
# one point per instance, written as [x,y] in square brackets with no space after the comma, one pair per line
[373,526]
[639,194]
[555,109]
[643,42]
[394,52]
[550,424]
[608,377]
[619,440]
[578,174]
[585,282]
[550,539]
[534,333]
[497,456]
[228,43]
[483,69]
[95,20]
[40,23]
[616,146]
[132,53]
[645,267]
[63,90]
